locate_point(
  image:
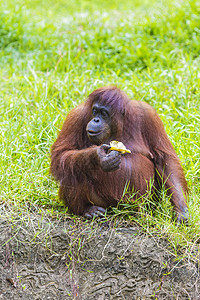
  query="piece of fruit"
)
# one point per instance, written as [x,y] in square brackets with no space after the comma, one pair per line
[119,146]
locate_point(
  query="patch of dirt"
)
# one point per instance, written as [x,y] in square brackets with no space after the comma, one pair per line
[68,259]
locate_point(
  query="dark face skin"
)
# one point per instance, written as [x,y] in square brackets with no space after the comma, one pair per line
[99,128]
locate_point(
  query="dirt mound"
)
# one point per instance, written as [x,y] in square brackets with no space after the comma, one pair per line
[52,259]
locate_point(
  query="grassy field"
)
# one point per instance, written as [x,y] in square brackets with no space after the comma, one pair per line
[54,53]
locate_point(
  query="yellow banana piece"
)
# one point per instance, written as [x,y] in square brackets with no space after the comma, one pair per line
[119,146]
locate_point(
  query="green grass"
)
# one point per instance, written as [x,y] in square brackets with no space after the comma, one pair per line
[53,54]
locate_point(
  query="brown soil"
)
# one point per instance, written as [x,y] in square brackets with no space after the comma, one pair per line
[74,259]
